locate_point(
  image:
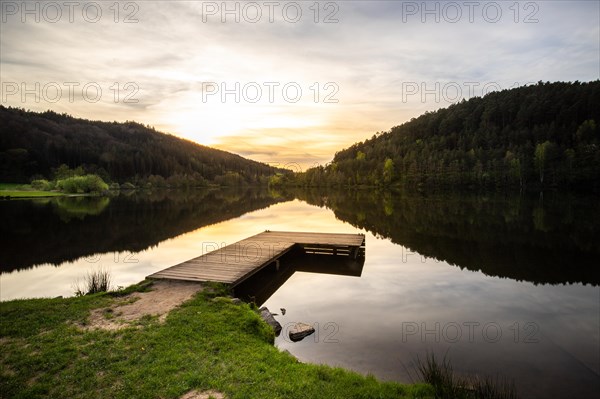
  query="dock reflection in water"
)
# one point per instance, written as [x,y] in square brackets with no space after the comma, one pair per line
[259,288]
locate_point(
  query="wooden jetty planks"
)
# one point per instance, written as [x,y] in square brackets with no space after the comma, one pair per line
[234,263]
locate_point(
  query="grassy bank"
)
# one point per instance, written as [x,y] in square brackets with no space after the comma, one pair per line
[205,344]
[29,194]
[68,181]
[24,191]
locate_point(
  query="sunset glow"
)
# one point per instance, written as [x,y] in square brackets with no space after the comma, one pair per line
[280,88]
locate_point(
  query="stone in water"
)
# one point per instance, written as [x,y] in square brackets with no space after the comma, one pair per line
[300,330]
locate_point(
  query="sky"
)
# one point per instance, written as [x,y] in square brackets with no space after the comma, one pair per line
[284,82]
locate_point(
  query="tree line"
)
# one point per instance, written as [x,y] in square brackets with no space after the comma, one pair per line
[543,135]
[35,145]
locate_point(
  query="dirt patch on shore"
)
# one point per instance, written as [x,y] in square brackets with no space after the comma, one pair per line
[164,296]
[203,395]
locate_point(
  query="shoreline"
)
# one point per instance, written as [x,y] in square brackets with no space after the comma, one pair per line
[203,342]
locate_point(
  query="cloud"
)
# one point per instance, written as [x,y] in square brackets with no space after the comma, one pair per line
[374,50]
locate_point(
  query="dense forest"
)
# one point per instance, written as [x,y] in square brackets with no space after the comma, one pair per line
[544,135]
[34,145]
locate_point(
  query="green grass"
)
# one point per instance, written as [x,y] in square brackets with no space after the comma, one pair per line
[447,385]
[94,282]
[29,194]
[203,345]
[24,191]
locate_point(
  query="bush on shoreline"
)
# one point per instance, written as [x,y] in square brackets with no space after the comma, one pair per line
[94,282]
[82,184]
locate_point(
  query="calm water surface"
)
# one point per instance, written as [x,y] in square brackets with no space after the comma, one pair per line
[503,285]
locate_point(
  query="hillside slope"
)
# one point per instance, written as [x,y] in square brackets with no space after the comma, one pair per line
[542,135]
[35,143]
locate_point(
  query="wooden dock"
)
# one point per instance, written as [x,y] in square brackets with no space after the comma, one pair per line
[234,263]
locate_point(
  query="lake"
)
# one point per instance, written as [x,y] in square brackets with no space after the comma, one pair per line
[504,285]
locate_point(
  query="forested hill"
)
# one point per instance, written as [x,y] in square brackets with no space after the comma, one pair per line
[33,144]
[542,135]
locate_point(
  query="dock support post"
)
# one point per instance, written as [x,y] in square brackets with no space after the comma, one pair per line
[277,264]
